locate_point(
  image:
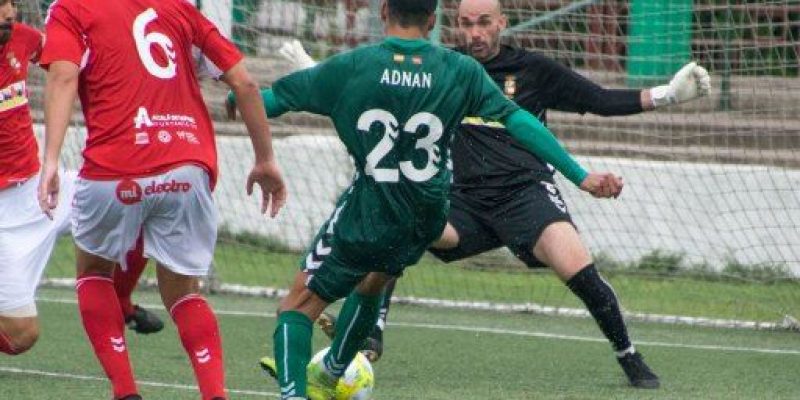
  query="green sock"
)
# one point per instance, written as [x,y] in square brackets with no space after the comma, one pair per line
[356,319]
[292,339]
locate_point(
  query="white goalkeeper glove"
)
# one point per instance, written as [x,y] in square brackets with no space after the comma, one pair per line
[691,82]
[294,52]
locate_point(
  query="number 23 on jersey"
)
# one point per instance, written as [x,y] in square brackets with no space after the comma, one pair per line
[386,145]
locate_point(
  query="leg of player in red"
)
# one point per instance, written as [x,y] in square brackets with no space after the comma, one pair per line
[103,322]
[198,330]
[137,318]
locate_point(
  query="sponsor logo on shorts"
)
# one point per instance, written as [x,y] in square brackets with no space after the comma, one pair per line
[172,186]
[129,192]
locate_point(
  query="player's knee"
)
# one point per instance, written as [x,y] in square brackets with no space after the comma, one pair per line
[26,341]
[23,340]
[448,240]
[373,284]
[304,301]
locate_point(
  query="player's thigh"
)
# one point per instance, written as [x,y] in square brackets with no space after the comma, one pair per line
[174,286]
[27,238]
[180,227]
[561,248]
[106,219]
[472,234]
[521,222]
[374,283]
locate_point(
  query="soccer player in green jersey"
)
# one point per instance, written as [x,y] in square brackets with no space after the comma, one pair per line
[395,105]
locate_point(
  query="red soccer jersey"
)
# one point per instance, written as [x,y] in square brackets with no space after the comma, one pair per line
[141,100]
[19,155]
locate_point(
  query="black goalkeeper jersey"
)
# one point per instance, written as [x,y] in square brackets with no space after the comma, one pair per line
[487,162]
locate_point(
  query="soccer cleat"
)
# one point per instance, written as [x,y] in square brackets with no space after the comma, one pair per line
[639,374]
[131,397]
[321,386]
[143,321]
[269,366]
[327,322]
[372,346]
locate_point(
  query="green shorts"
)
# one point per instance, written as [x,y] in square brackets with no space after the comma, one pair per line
[353,243]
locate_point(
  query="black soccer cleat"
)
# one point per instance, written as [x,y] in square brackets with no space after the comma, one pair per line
[639,374]
[131,397]
[373,345]
[143,321]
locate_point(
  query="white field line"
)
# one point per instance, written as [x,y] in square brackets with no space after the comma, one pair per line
[176,386]
[512,332]
[788,322]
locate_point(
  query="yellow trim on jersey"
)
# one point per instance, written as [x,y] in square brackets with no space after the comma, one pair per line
[478,121]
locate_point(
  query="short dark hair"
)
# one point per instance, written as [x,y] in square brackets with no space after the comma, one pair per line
[411,12]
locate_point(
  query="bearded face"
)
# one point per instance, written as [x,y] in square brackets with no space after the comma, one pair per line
[8,14]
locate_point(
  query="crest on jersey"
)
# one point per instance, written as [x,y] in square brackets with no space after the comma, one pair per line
[416,60]
[13,62]
[399,58]
[510,87]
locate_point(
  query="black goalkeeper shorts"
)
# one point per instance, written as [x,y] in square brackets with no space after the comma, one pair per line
[515,223]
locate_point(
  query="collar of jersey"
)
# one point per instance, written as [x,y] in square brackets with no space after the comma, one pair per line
[401,44]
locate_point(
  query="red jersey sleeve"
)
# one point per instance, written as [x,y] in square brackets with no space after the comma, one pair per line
[221,51]
[33,42]
[64,40]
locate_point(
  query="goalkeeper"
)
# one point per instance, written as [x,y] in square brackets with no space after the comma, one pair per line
[503,195]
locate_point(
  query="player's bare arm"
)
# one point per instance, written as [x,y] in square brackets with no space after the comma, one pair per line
[60,93]
[266,172]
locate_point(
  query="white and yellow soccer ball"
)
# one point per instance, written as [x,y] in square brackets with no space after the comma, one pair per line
[358,381]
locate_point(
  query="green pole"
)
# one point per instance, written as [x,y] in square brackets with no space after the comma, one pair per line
[725,82]
[660,40]
[244,38]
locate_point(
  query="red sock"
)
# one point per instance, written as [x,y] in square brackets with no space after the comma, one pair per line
[199,334]
[6,346]
[104,326]
[125,281]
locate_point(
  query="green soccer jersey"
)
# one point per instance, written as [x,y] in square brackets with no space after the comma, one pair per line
[395,105]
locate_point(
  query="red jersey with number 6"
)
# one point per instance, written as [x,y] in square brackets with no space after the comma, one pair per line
[141,100]
[19,155]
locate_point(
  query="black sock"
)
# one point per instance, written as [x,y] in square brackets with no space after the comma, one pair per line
[377,331]
[601,301]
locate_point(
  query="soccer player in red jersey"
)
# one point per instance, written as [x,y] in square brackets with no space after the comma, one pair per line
[27,237]
[150,163]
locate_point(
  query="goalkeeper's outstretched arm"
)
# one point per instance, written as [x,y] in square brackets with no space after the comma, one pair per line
[566,90]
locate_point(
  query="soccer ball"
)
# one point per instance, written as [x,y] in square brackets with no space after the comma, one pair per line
[358,380]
